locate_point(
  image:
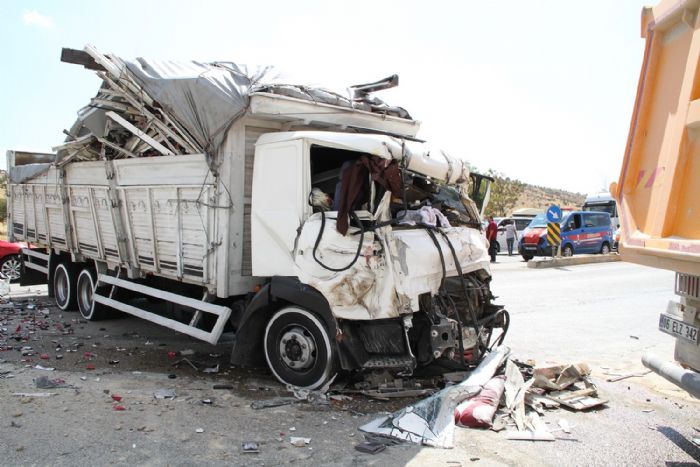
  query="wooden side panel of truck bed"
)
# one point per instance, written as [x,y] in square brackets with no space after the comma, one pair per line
[159,206]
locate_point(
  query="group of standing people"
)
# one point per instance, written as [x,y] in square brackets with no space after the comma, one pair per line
[492,237]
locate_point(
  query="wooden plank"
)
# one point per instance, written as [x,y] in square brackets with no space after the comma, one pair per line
[116,148]
[139,134]
[185,143]
[79,57]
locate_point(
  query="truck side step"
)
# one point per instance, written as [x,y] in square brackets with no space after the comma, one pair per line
[223,313]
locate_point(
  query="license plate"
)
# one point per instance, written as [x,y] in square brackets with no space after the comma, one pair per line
[678,328]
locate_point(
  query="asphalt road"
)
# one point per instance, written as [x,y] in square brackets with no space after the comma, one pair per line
[603,314]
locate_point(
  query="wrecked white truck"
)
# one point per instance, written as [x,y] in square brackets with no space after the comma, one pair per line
[313,226]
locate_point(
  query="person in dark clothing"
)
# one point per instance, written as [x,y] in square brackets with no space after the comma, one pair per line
[491,234]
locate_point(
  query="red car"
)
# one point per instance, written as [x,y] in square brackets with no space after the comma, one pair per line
[10,260]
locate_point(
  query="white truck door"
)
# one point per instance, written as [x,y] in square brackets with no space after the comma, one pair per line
[278,206]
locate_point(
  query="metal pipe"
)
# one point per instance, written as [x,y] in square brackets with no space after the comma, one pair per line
[685,379]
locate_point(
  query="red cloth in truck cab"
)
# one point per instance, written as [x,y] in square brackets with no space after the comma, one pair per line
[354,189]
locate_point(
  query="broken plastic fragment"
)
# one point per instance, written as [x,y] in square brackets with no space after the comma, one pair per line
[299,442]
[250,447]
[164,394]
[431,421]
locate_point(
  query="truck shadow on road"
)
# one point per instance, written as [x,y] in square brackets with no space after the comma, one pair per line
[682,442]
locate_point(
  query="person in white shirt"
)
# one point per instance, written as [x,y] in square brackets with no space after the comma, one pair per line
[511,236]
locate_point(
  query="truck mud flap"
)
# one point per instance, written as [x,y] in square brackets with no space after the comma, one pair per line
[35,267]
[221,312]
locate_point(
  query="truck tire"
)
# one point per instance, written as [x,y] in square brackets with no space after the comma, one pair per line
[298,348]
[605,249]
[64,281]
[527,257]
[85,288]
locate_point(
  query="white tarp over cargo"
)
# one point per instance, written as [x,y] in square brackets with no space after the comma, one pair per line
[205,98]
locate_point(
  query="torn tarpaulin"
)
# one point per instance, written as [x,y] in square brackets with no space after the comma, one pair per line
[431,421]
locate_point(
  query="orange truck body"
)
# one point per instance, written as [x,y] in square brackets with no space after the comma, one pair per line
[658,192]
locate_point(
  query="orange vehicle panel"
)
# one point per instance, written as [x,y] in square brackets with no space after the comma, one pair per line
[658,192]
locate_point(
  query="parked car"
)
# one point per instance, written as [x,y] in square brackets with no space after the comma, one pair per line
[581,232]
[10,260]
[521,224]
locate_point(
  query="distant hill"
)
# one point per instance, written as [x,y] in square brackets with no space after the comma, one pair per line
[540,197]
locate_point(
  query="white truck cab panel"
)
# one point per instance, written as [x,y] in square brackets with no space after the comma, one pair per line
[279,206]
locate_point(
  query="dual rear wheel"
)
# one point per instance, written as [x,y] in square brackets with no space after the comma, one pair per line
[74,287]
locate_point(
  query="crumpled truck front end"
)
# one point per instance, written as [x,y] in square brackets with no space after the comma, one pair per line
[389,241]
[414,296]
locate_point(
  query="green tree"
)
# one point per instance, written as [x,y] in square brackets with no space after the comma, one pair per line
[505,192]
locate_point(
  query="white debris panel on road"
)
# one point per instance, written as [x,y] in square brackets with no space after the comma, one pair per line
[473,403]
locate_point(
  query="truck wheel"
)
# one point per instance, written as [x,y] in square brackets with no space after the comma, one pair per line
[605,249]
[85,287]
[298,349]
[64,279]
[568,251]
[527,257]
[11,268]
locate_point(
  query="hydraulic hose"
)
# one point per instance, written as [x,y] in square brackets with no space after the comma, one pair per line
[359,244]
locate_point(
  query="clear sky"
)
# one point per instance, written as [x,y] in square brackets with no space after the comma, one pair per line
[539,90]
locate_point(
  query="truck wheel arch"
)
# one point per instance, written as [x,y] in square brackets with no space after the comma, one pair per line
[276,294]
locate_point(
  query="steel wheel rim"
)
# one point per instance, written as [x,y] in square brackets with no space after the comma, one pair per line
[297,348]
[11,269]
